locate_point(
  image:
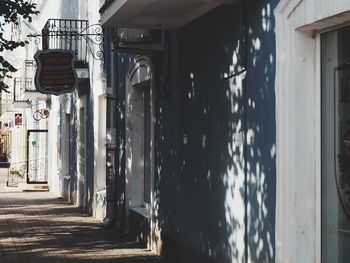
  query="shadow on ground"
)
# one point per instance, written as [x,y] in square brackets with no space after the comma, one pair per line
[37,227]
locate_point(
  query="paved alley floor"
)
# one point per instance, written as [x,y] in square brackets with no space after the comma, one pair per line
[38,227]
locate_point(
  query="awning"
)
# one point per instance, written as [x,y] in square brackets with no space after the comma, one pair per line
[162,14]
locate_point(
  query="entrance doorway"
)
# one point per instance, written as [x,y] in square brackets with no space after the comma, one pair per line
[36,156]
[139,145]
[139,149]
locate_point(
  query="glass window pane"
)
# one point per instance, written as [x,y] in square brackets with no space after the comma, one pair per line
[336,145]
[37,156]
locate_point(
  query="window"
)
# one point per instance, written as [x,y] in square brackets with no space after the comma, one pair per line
[336,145]
[139,134]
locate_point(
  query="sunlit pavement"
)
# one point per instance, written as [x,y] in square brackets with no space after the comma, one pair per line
[38,227]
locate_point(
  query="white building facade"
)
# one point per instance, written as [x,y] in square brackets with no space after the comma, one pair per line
[308,215]
[312,223]
[69,134]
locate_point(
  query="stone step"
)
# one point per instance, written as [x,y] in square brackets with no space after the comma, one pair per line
[36,188]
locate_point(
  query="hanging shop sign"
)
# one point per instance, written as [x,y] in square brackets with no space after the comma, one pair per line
[55,71]
[41,114]
[7,124]
[18,119]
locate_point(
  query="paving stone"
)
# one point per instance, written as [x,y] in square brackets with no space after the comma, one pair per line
[37,227]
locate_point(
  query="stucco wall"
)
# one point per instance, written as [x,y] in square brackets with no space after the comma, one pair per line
[199,196]
[94,88]
[298,114]
[200,185]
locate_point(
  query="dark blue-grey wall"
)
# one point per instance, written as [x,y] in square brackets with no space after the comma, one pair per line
[121,66]
[193,100]
[192,192]
[90,151]
[190,182]
[261,119]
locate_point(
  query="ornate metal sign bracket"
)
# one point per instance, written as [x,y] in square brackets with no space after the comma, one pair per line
[75,35]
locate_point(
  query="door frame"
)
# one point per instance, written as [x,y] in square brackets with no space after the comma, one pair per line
[141,73]
[27,173]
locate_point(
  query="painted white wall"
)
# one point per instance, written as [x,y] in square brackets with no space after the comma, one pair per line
[18,149]
[99,200]
[99,93]
[74,9]
[47,11]
[54,182]
[79,9]
[298,200]
[54,159]
[17,143]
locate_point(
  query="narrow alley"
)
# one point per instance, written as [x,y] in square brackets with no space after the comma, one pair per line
[39,227]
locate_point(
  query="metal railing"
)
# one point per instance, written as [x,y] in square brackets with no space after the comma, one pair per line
[30,69]
[72,34]
[18,91]
[29,84]
[66,34]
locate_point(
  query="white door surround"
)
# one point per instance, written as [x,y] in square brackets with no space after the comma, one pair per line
[139,82]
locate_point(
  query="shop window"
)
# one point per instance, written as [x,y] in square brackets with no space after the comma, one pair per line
[336,145]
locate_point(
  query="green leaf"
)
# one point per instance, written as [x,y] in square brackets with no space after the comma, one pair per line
[11,11]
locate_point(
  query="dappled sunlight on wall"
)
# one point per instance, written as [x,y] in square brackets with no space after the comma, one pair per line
[199,184]
[224,189]
[214,177]
[234,178]
[261,139]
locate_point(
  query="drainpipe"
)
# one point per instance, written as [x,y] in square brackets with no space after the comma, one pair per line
[115,165]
